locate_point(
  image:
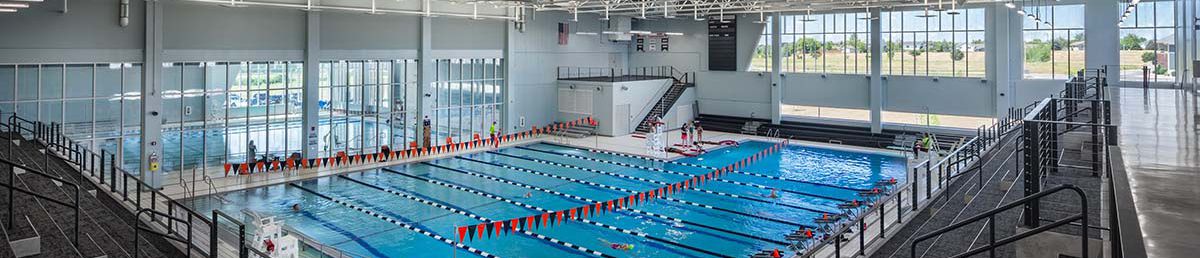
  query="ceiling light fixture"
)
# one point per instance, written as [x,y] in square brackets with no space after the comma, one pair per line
[7,10]
[14,5]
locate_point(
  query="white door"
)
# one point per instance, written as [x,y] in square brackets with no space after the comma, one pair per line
[621,125]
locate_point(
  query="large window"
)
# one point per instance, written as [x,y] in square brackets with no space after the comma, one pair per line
[212,111]
[933,43]
[1055,50]
[467,98]
[97,104]
[1148,41]
[365,105]
[826,43]
[761,62]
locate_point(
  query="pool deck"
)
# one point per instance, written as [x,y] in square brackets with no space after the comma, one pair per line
[1159,129]
[189,187]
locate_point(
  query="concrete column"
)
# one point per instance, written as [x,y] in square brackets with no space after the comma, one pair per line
[1005,52]
[876,88]
[509,123]
[151,97]
[425,79]
[312,92]
[776,69]
[1102,36]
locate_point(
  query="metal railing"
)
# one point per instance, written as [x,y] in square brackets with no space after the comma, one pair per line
[956,162]
[948,167]
[13,189]
[990,215]
[170,218]
[610,74]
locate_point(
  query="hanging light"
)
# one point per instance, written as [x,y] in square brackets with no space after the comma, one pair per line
[953,8]
[1010,5]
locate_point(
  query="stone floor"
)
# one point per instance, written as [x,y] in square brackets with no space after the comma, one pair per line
[1160,142]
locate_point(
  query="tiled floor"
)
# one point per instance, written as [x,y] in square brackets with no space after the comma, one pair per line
[1159,141]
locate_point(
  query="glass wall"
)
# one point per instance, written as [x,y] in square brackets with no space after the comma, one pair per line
[467,98]
[934,43]
[761,62]
[1054,52]
[212,111]
[364,104]
[97,104]
[826,43]
[1148,40]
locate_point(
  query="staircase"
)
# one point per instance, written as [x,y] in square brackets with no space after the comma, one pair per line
[45,228]
[680,81]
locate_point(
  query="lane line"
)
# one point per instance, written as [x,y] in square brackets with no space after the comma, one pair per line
[661,183]
[592,201]
[684,174]
[398,223]
[708,167]
[595,223]
[701,205]
[477,217]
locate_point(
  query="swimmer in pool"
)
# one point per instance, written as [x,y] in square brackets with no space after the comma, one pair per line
[296,207]
[617,246]
[773,195]
[528,195]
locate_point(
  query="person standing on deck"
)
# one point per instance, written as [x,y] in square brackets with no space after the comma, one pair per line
[492,131]
[251,153]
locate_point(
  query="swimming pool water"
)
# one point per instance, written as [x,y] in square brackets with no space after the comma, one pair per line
[543,171]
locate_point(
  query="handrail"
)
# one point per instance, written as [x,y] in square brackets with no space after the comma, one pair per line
[990,215]
[660,94]
[170,235]
[72,152]
[12,175]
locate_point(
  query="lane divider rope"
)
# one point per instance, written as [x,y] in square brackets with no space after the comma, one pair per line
[685,174]
[584,220]
[589,200]
[705,167]
[661,183]
[790,223]
[398,223]
[477,217]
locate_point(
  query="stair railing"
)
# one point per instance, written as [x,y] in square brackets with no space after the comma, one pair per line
[163,213]
[990,216]
[13,189]
[660,94]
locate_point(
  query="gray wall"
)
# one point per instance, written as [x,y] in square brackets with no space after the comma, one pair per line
[206,26]
[461,33]
[351,31]
[537,54]
[42,33]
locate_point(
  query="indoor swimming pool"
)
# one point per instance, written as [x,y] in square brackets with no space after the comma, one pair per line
[362,212]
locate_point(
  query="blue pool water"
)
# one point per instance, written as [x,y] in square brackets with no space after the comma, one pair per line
[737,229]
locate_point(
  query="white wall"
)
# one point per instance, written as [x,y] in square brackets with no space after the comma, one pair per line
[537,54]
[606,98]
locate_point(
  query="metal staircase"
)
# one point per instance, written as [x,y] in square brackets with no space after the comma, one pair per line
[680,82]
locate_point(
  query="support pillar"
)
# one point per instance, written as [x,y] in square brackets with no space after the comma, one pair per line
[425,81]
[777,83]
[876,88]
[1102,36]
[312,94]
[151,128]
